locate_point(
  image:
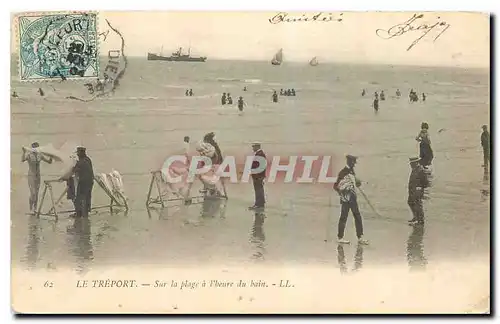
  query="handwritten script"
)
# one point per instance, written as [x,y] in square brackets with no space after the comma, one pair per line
[417,26]
[320,16]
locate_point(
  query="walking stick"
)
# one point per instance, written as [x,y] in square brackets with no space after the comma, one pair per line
[353,181]
[368,201]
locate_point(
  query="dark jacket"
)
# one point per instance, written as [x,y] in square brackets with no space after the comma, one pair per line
[217,158]
[417,182]
[345,194]
[255,165]
[84,171]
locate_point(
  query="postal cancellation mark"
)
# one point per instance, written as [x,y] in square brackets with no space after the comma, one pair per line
[58,46]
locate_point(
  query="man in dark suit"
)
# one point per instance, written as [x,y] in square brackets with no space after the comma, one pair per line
[485,143]
[416,184]
[345,186]
[85,175]
[258,178]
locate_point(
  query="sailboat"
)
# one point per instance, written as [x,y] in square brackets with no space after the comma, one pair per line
[278,58]
[313,61]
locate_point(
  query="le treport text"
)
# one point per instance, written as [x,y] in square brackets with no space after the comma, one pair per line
[182,284]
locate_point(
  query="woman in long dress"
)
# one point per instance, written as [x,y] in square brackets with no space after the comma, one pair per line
[426,154]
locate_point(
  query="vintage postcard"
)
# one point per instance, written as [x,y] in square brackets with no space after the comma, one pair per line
[250,162]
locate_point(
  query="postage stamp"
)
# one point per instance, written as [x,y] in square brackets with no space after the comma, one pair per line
[63,45]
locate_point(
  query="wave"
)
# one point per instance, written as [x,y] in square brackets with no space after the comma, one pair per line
[129,98]
[252,81]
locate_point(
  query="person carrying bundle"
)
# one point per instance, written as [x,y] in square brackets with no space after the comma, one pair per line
[345,186]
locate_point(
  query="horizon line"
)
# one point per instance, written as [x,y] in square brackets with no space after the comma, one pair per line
[324,62]
[328,62]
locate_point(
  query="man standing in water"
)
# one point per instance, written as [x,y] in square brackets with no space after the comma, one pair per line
[375,104]
[258,178]
[345,186]
[417,183]
[85,175]
[34,157]
[275,96]
[241,104]
[485,143]
[187,145]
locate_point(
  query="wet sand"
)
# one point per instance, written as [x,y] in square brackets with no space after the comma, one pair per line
[131,136]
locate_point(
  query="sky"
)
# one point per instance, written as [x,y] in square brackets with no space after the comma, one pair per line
[250,36]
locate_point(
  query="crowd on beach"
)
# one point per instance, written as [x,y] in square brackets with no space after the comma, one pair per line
[347,184]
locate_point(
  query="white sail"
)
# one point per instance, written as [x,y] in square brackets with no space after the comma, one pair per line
[314,61]
[278,58]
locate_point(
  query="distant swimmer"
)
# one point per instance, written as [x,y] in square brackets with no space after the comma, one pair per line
[245,88]
[187,93]
[282,93]
[363,93]
[229,99]
[288,92]
[223,99]
[293,92]
[375,104]
[423,96]
[376,95]
[241,104]
[14,95]
[99,86]
[190,92]
[413,96]
[40,91]
[187,145]
[398,93]
[382,95]
[275,96]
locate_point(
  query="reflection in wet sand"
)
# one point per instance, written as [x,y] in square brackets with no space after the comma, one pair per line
[32,248]
[210,207]
[358,259]
[80,243]
[415,249]
[162,213]
[258,236]
[485,192]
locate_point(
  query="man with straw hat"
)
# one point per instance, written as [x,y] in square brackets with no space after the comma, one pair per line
[416,185]
[346,188]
